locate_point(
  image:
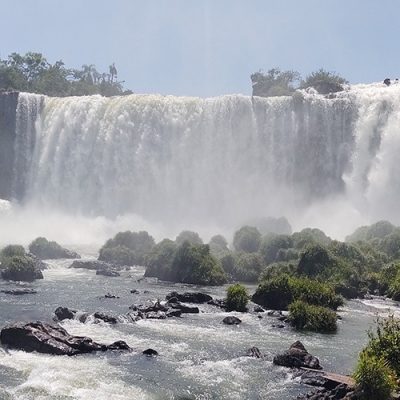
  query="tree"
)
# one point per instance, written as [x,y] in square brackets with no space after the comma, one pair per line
[274,82]
[247,239]
[324,82]
[188,236]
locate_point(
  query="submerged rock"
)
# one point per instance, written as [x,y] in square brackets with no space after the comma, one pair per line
[107,272]
[254,352]
[64,313]
[19,292]
[110,296]
[296,357]
[94,265]
[231,320]
[190,297]
[51,339]
[150,352]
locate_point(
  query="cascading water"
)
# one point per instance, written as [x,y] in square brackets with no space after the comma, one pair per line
[222,160]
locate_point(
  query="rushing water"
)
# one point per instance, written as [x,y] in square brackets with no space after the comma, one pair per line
[200,358]
[327,162]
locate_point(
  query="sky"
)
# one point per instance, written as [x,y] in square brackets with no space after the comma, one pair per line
[208,47]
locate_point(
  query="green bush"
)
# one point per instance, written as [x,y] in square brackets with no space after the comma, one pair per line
[271,245]
[11,251]
[237,298]
[127,248]
[324,82]
[219,246]
[20,268]
[374,377]
[188,236]
[266,225]
[309,236]
[379,230]
[316,260]
[247,239]
[194,264]
[158,262]
[309,317]
[45,249]
[280,291]
[248,267]
[274,82]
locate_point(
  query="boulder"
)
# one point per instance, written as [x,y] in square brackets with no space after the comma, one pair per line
[64,313]
[184,309]
[111,296]
[19,292]
[107,272]
[51,339]
[254,352]
[104,317]
[296,357]
[150,352]
[258,309]
[231,320]
[190,297]
[218,303]
[135,291]
[94,265]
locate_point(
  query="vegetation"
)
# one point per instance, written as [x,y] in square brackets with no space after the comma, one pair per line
[127,248]
[237,298]
[275,82]
[304,316]
[378,366]
[32,72]
[159,261]
[44,249]
[219,246]
[247,239]
[188,236]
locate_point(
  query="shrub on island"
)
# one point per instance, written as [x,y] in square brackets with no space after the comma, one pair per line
[237,298]
[247,239]
[44,249]
[158,262]
[127,248]
[20,268]
[304,316]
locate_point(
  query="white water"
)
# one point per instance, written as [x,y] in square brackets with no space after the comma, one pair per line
[210,164]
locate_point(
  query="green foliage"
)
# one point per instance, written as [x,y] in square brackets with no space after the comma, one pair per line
[324,82]
[248,267]
[274,82]
[272,248]
[158,262]
[188,236]
[194,264]
[45,249]
[374,377]
[375,231]
[20,268]
[11,251]
[247,239]
[310,236]
[32,72]
[237,298]
[309,317]
[279,291]
[316,260]
[127,248]
[219,246]
[276,269]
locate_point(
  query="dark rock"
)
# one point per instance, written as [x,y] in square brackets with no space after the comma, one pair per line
[274,313]
[64,313]
[21,268]
[135,291]
[190,297]
[254,352]
[105,317]
[51,339]
[218,303]
[156,315]
[280,326]
[19,292]
[150,352]
[296,357]
[258,309]
[107,272]
[111,296]
[173,313]
[231,320]
[94,265]
[387,81]
[184,309]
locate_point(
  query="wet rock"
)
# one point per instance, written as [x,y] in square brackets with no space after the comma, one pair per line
[184,309]
[297,356]
[156,315]
[104,317]
[231,320]
[107,272]
[218,303]
[173,313]
[135,291]
[51,339]
[274,313]
[280,326]
[340,392]
[258,309]
[94,265]
[39,264]
[190,297]
[150,352]
[254,352]
[110,296]
[19,292]
[64,313]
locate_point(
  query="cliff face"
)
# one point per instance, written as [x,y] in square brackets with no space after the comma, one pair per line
[8,107]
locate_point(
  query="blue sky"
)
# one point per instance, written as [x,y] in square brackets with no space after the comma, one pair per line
[208,47]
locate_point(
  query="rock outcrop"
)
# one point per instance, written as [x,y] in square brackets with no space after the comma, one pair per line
[51,339]
[190,297]
[296,357]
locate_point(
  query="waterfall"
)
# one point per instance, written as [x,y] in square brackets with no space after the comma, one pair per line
[220,159]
